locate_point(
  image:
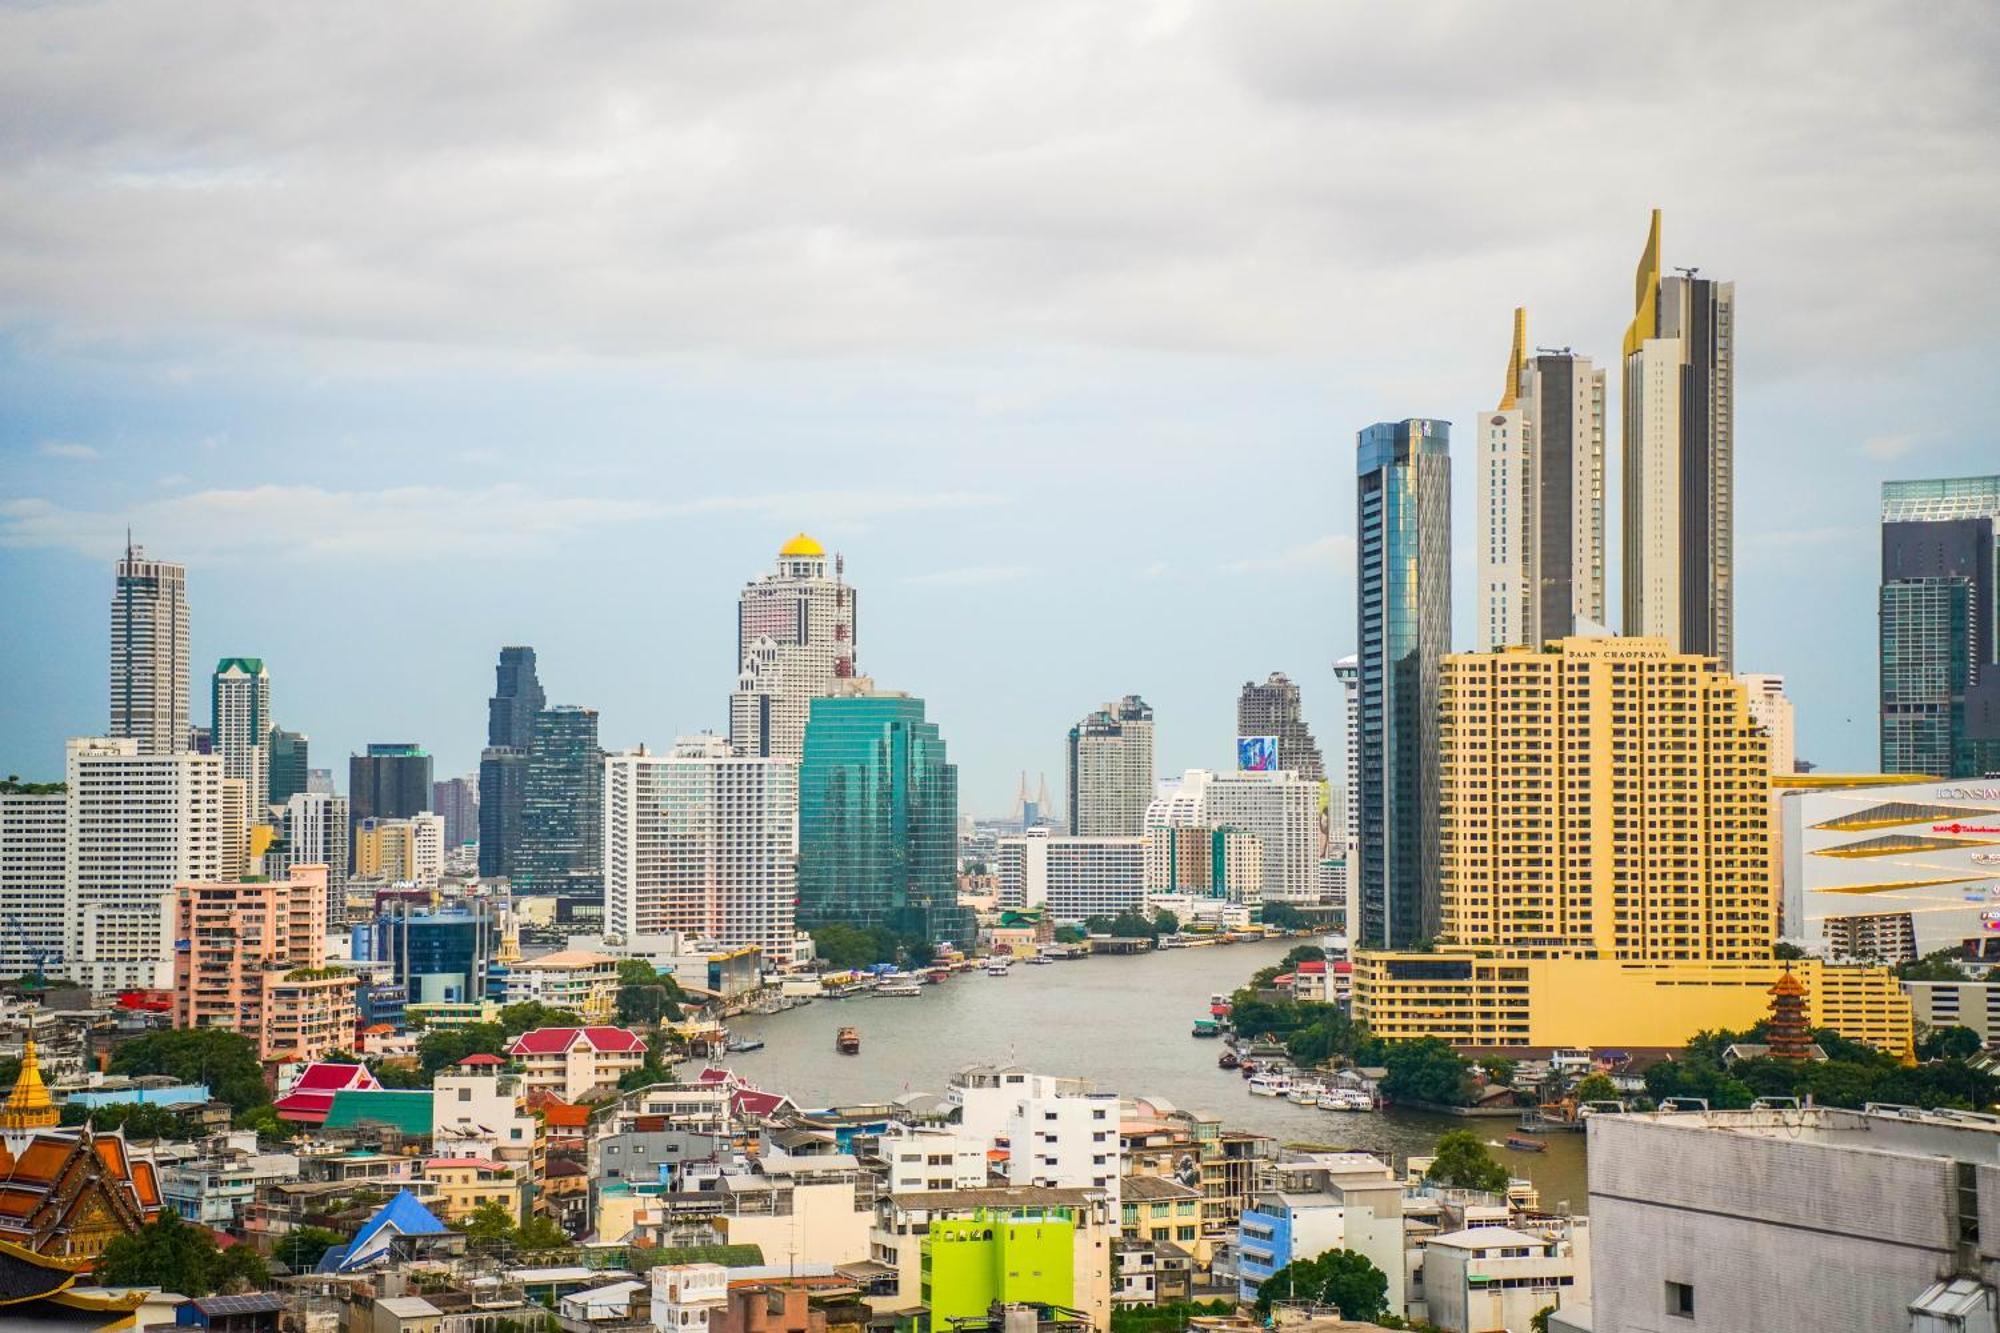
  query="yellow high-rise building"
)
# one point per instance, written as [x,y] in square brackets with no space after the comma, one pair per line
[1604,798]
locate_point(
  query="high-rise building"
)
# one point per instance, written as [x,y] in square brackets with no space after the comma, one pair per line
[1540,512]
[149,653]
[562,807]
[1772,710]
[290,764]
[34,827]
[248,956]
[391,781]
[400,851]
[316,833]
[320,781]
[1110,763]
[1404,631]
[138,824]
[1280,809]
[1274,709]
[1610,799]
[503,765]
[241,695]
[1679,456]
[1072,879]
[1940,639]
[794,642]
[456,801]
[1200,860]
[702,841]
[878,818]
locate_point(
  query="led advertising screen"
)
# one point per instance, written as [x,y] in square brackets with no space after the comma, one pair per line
[1257,754]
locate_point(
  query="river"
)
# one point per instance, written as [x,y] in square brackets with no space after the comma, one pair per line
[1121,1022]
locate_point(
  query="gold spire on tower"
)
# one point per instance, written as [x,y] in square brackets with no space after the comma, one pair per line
[29,1105]
[1514,359]
[1646,294]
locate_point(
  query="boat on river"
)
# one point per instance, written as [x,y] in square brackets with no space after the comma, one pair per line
[1227,1060]
[739,1045]
[1345,1099]
[900,988]
[848,1041]
[998,967]
[1522,1143]
[1270,1085]
[1207,1027]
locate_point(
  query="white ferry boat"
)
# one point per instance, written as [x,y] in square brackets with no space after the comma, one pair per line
[1270,1085]
[900,988]
[997,967]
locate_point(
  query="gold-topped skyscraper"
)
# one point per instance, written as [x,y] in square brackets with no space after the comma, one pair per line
[1679,458]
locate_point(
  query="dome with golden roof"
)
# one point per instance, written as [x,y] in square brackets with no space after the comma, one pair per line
[802,545]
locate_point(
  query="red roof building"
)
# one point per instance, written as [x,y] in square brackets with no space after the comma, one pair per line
[573,1062]
[311,1095]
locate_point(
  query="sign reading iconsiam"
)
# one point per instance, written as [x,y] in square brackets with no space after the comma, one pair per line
[1256,754]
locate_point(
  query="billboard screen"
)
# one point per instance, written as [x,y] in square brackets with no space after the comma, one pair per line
[1257,754]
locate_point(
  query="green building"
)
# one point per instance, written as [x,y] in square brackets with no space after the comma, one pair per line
[878,819]
[971,1262]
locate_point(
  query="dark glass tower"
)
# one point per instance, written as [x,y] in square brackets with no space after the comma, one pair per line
[1404,630]
[1940,645]
[290,761]
[503,765]
[878,819]
[391,781]
[562,806]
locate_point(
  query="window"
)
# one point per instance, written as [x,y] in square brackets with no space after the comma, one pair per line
[1680,1300]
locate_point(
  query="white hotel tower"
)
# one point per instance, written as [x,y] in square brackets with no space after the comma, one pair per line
[794,641]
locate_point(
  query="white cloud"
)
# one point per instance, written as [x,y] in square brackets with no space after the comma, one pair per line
[65,449]
[970,576]
[1333,554]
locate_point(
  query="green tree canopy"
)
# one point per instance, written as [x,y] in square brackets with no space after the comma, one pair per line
[1283,916]
[1426,1070]
[139,1120]
[530,1014]
[1595,1087]
[490,1224]
[226,1062]
[1461,1161]
[440,1048]
[1344,1279]
[1943,965]
[302,1247]
[175,1256]
[1949,1043]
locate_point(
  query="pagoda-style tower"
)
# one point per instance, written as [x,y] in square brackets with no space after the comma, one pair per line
[1788,1036]
[29,1106]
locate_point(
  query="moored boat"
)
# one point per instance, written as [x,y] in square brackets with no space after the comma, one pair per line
[997,967]
[1270,1085]
[900,988]
[1207,1027]
[1227,1060]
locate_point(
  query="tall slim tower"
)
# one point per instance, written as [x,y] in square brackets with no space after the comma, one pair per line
[1404,571]
[241,694]
[503,764]
[1110,763]
[1940,652]
[794,641]
[149,653]
[562,808]
[1540,483]
[1680,417]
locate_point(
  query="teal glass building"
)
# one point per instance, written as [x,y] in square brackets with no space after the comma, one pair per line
[1940,627]
[878,819]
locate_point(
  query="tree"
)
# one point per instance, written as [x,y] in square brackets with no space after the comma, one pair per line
[1301,953]
[1283,916]
[224,1061]
[340,1058]
[637,972]
[539,1233]
[646,1075]
[139,1120]
[176,1256]
[490,1224]
[1426,1070]
[1498,1068]
[1788,951]
[1070,935]
[531,1014]
[1949,1043]
[648,1003]
[1540,1322]
[263,1119]
[1943,965]
[1595,1088]
[845,947]
[440,1048]
[1460,1160]
[397,1075]
[301,1248]
[1340,1278]
[1165,922]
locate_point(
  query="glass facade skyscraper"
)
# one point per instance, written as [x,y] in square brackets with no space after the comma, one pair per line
[878,819]
[503,764]
[562,808]
[1940,645]
[1403,569]
[291,761]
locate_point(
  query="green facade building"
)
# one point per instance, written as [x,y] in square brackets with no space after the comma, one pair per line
[969,1263]
[878,819]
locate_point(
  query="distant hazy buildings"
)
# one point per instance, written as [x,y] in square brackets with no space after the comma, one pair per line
[795,638]
[503,765]
[704,842]
[878,818]
[1404,631]
[1274,709]
[1110,763]
[1940,642]
[1539,520]
[1679,455]
[149,653]
[316,832]
[240,691]
[562,809]
[391,781]
[456,800]
[1279,809]
[291,771]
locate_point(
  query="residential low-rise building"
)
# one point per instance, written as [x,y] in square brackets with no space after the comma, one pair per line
[1323,1201]
[1496,1277]
[1149,1272]
[584,983]
[461,1186]
[1159,1208]
[925,1158]
[572,1062]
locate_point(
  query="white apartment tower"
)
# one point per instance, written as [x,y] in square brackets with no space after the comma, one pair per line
[242,731]
[1110,763]
[1773,712]
[1540,515]
[1073,878]
[315,828]
[138,825]
[1679,451]
[794,641]
[702,841]
[1280,809]
[149,653]
[33,833]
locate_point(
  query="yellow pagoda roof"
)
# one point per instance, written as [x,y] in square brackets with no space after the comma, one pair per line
[802,545]
[29,1105]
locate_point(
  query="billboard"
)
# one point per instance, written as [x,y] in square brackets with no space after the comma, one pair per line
[1256,754]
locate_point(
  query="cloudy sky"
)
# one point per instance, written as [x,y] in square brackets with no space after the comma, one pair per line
[418,330]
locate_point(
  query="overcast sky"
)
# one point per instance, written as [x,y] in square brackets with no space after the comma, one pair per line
[417,330]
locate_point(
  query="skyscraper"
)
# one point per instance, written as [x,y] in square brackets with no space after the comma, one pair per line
[1940,641]
[503,765]
[794,641]
[1110,764]
[1280,809]
[1540,513]
[149,653]
[1404,629]
[391,781]
[1274,709]
[878,818]
[1679,445]
[316,833]
[705,842]
[562,807]
[241,696]
[456,801]
[1772,711]
[291,760]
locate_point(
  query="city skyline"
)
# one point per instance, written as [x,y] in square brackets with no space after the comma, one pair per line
[957,441]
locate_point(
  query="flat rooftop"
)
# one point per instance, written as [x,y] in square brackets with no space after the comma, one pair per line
[1904,1131]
